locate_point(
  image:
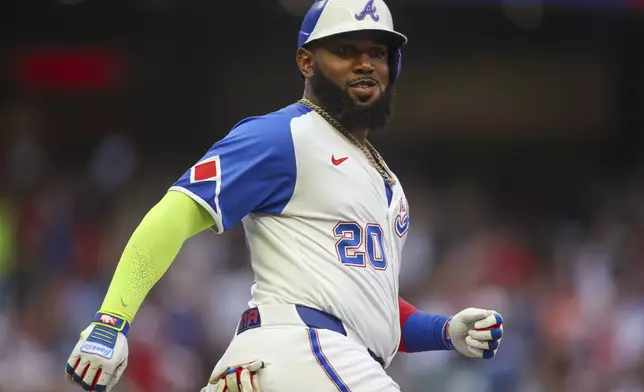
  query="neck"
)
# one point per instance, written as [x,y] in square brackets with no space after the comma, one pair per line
[310,95]
[360,134]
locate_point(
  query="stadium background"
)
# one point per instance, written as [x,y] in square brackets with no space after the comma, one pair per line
[518,135]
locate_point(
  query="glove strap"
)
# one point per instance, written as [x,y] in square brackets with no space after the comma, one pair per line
[112,321]
[104,335]
[447,339]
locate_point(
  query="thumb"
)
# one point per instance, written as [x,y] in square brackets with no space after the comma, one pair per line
[472,315]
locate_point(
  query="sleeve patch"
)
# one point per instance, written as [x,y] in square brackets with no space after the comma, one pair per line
[207,170]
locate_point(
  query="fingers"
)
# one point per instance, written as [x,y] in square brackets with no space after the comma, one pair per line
[83,373]
[101,380]
[488,354]
[255,366]
[245,382]
[72,364]
[484,332]
[238,378]
[482,345]
[484,339]
[474,352]
[472,315]
[232,379]
[487,334]
[492,319]
[91,377]
[480,353]
[70,368]
[81,370]
[255,381]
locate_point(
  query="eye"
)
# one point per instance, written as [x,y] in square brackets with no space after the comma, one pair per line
[378,53]
[346,50]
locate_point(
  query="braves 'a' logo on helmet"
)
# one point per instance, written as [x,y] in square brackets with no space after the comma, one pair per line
[369,9]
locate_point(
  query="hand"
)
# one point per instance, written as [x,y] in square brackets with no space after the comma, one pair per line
[475,333]
[236,378]
[100,356]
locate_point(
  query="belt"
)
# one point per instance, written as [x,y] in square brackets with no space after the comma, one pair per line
[283,315]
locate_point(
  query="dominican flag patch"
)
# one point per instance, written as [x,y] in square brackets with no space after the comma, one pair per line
[207,170]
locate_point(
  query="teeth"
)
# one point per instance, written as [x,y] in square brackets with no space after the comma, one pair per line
[364,83]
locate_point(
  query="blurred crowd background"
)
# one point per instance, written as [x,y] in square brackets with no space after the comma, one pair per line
[518,136]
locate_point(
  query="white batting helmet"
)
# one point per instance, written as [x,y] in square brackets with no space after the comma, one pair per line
[330,17]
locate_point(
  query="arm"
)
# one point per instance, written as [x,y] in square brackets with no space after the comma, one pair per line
[100,356]
[473,332]
[421,331]
[151,250]
[252,169]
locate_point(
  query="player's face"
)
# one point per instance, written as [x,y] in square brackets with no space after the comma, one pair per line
[349,75]
[357,63]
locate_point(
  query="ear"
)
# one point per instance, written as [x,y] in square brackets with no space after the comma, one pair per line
[305,62]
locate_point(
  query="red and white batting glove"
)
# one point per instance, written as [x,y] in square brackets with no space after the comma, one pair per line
[475,333]
[236,378]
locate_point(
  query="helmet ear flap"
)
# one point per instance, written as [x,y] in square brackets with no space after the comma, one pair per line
[395,65]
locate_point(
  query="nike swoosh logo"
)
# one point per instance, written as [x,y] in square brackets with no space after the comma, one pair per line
[123,303]
[337,161]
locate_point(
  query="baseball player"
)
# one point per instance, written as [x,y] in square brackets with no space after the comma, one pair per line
[325,220]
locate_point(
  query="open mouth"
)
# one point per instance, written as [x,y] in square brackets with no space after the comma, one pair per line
[364,83]
[364,88]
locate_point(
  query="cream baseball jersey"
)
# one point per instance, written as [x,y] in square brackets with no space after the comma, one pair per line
[323,228]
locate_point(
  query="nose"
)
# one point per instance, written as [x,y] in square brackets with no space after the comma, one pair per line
[364,64]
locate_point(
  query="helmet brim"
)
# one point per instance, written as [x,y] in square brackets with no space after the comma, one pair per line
[393,39]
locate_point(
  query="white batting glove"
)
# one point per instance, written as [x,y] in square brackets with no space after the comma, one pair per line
[100,356]
[475,333]
[236,378]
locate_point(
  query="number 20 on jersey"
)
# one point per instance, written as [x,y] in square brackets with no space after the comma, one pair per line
[358,244]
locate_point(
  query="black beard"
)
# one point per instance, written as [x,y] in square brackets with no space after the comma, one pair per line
[339,104]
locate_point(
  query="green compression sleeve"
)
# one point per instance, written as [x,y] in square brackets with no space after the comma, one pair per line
[151,250]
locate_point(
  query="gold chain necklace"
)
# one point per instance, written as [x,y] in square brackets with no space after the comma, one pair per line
[368,149]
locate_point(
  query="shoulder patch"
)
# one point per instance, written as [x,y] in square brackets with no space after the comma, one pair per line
[207,170]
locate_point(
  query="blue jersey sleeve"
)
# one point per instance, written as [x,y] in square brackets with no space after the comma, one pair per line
[252,169]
